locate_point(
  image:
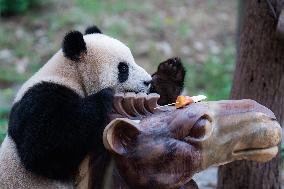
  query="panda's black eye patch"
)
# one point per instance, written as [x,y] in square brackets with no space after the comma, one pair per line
[123,72]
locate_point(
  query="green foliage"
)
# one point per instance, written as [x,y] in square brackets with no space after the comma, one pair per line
[98,5]
[16,6]
[184,30]
[11,76]
[117,29]
[214,77]
[109,6]
[5,101]
[3,122]
[3,129]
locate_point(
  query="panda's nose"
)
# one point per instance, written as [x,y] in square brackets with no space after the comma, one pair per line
[147,83]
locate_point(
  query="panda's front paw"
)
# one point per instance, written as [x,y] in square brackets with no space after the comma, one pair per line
[172,69]
[100,102]
[104,99]
[168,80]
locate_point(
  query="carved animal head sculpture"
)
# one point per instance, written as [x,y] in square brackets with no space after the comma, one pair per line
[166,149]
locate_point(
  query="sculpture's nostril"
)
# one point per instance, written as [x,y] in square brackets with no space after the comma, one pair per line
[147,83]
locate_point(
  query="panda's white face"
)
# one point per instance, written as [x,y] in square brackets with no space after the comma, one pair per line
[109,63]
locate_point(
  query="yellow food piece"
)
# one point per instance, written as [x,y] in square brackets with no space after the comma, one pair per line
[182,101]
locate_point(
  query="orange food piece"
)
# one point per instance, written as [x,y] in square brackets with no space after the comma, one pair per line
[182,101]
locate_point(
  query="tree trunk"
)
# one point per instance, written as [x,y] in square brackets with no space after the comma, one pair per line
[241,13]
[259,75]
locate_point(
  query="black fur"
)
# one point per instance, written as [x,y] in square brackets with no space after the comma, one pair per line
[92,29]
[54,128]
[123,72]
[168,80]
[73,45]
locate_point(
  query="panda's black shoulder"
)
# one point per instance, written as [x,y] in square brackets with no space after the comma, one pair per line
[48,95]
[54,128]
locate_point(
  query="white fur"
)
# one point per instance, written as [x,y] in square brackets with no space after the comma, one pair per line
[97,68]
[100,69]
[57,70]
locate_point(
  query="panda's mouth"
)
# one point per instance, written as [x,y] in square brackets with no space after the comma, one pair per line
[132,91]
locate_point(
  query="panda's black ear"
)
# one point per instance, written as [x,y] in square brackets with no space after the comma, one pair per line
[73,45]
[92,29]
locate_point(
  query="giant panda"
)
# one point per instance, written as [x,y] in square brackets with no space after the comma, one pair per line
[59,114]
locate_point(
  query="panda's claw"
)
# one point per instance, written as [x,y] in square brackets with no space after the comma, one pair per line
[172,69]
[168,80]
[104,99]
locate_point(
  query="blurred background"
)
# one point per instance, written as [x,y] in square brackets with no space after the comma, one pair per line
[201,32]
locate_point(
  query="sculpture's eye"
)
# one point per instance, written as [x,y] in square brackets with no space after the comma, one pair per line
[200,129]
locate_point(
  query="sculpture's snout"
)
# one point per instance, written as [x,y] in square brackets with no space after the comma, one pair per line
[258,133]
[259,141]
[242,129]
[261,133]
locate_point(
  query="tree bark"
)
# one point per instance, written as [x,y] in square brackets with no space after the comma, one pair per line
[241,13]
[259,75]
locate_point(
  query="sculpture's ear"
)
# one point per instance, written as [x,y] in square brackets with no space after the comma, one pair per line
[120,135]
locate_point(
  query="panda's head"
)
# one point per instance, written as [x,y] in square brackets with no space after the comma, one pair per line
[104,62]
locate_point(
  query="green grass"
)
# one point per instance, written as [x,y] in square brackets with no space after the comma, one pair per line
[3,128]
[214,77]
[17,6]
[6,96]
[118,30]
[3,122]
[184,30]
[110,6]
